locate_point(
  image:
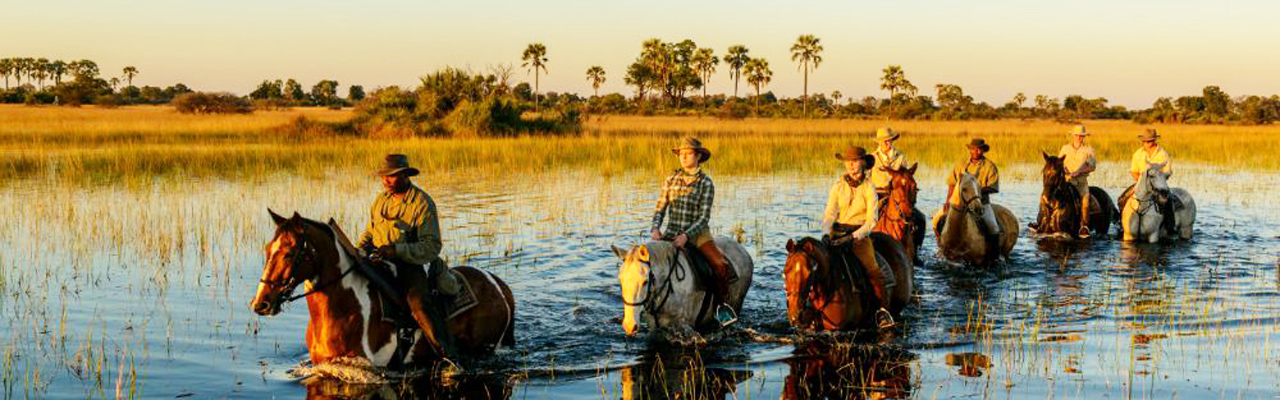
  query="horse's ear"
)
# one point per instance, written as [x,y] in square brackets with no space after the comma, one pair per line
[619,252]
[1047,157]
[912,170]
[791,245]
[276,217]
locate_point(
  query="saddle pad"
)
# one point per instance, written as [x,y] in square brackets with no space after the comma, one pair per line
[702,271]
[464,300]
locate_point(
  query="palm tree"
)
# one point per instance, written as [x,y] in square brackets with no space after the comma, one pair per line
[57,69]
[660,59]
[6,69]
[736,60]
[895,81]
[535,58]
[595,75]
[805,51]
[114,82]
[129,73]
[758,75]
[704,61]
[1019,99]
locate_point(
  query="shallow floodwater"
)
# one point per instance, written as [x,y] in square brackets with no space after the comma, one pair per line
[144,291]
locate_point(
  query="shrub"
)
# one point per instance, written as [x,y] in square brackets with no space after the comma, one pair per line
[211,103]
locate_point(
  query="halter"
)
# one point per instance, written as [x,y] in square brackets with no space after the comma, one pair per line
[306,255]
[964,206]
[1145,206]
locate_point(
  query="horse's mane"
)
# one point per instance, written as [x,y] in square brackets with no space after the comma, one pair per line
[828,279]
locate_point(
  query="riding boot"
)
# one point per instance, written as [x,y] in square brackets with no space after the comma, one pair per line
[428,308]
[865,251]
[720,287]
[991,232]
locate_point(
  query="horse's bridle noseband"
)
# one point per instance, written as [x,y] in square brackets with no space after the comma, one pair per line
[306,254]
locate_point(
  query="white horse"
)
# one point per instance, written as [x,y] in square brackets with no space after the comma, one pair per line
[1141,215]
[658,284]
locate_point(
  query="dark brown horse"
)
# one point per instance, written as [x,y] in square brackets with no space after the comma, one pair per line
[348,318]
[821,292]
[899,217]
[1060,204]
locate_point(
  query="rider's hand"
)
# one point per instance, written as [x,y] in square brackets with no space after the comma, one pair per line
[680,240]
[654,234]
[386,252]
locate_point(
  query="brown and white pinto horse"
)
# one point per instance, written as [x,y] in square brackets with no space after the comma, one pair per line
[898,216]
[348,318]
[821,295]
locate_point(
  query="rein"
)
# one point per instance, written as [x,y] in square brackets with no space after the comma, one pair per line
[666,289]
[307,255]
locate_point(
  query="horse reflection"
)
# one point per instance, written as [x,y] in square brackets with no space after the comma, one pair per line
[470,387]
[848,371]
[686,378]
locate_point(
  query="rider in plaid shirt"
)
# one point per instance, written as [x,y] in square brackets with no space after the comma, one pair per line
[686,205]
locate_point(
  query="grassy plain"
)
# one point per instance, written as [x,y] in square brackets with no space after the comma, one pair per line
[140,143]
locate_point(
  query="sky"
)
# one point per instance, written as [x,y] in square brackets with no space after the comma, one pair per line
[1128,51]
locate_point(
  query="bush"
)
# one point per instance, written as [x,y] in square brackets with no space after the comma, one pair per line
[491,116]
[734,109]
[211,103]
[270,104]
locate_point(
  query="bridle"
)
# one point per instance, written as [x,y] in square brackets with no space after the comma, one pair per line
[805,318]
[306,254]
[664,291]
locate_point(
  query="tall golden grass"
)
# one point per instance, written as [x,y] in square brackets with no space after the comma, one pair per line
[140,143]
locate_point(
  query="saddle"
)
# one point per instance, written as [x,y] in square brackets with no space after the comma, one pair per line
[701,267]
[841,244]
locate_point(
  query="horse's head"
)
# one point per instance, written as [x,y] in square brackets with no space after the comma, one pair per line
[967,195]
[1151,182]
[292,257]
[1055,171]
[904,181]
[634,275]
[806,260]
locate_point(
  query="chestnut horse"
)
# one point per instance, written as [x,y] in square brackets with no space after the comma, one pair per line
[821,294]
[348,317]
[899,217]
[1060,204]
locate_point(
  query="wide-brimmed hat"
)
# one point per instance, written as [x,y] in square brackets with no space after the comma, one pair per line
[979,143]
[695,145]
[1079,130]
[886,133]
[853,153]
[397,163]
[1149,136]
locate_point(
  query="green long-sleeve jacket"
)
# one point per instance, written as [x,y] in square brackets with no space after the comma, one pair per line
[409,223]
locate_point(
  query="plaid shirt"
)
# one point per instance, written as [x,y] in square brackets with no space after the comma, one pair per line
[688,199]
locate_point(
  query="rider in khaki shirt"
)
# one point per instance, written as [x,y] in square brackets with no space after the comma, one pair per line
[888,158]
[1079,160]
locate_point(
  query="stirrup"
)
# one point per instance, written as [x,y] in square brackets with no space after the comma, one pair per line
[1084,233]
[884,319]
[725,315]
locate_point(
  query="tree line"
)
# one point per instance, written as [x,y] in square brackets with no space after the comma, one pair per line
[42,81]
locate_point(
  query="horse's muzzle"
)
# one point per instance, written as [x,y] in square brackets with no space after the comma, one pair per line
[266,307]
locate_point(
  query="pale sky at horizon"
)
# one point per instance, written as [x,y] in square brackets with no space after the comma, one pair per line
[1130,52]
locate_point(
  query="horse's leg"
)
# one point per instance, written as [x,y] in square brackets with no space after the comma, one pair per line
[509,338]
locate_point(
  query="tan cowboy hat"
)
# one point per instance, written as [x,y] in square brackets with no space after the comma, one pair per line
[695,145]
[1079,130]
[886,133]
[979,143]
[1149,136]
[851,153]
[397,163]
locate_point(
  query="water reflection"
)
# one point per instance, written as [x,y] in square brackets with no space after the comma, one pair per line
[848,371]
[465,387]
[684,377]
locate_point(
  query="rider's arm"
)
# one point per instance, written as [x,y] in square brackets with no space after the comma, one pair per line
[423,245]
[991,184]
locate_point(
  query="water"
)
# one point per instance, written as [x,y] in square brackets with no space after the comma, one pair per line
[147,289]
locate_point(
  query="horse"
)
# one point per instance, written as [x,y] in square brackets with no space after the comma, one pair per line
[1142,218]
[1060,204]
[956,227]
[349,319]
[898,216]
[821,293]
[658,283]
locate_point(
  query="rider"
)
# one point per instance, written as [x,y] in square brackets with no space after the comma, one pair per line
[851,205]
[988,177]
[686,197]
[888,158]
[1151,152]
[1078,159]
[404,229]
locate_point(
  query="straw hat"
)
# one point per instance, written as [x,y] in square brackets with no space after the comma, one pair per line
[852,153]
[1079,130]
[1149,136]
[397,163]
[695,145]
[886,133]
[979,143]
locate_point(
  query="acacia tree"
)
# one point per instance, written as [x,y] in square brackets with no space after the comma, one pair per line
[535,59]
[129,73]
[736,59]
[595,75]
[758,75]
[704,61]
[806,52]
